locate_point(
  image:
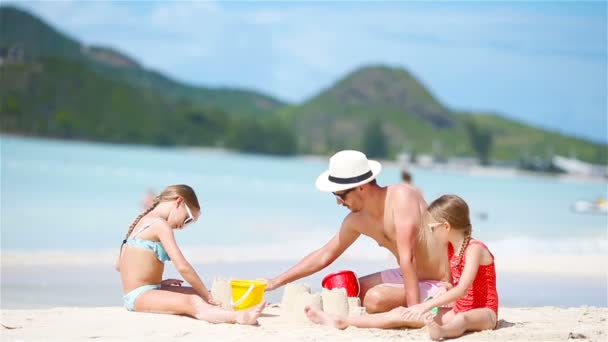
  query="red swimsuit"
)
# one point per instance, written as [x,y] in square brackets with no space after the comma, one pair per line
[482,293]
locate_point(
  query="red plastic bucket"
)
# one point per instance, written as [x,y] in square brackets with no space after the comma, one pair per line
[342,279]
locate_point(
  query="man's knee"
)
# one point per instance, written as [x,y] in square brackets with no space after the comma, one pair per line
[377,300]
[368,282]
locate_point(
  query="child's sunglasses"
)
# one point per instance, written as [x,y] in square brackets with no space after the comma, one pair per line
[190,218]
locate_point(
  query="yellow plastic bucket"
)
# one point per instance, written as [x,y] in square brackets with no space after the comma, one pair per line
[246,293]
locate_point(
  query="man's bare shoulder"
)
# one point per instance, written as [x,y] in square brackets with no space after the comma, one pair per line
[354,221]
[403,192]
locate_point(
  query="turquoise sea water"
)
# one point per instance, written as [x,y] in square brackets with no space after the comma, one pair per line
[259,211]
[74,195]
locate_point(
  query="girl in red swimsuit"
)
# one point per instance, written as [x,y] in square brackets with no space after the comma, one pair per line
[474,281]
[473,275]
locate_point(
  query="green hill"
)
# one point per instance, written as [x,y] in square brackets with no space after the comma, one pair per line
[61,98]
[52,85]
[29,38]
[337,117]
[515,140]
[412,119]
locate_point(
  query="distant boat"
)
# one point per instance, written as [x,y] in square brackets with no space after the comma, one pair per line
[591,207]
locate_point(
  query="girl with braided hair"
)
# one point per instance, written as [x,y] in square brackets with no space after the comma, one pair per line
[473,274]
[150,242]
[473,294]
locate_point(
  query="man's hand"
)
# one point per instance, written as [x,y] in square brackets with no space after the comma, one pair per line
[271,284]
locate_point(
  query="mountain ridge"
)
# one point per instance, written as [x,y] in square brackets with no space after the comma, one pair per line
[38,39]
[413,120]
[374,97]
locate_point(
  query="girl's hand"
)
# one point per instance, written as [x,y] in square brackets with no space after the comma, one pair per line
[212,301]
[171,282]
[418,310]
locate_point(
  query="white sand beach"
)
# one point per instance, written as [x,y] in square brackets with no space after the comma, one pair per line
[117,324]
[37,280]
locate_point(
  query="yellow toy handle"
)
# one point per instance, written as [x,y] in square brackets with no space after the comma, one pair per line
[243,297]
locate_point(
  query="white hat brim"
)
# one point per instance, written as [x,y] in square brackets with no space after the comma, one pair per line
[324,184]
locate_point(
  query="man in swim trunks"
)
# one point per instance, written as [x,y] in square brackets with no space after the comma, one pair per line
[392,216]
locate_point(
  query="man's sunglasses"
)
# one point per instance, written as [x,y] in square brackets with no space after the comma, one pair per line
[342,196]
[190,218]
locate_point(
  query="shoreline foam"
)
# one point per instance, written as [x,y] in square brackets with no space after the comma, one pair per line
[556,264]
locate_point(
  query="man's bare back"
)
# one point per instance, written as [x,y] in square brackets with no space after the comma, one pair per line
[383,232]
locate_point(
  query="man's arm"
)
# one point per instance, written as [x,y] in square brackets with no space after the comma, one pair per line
[320,258]
[406,215]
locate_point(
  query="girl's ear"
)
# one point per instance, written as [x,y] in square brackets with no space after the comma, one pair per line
[448,226]
[178,201]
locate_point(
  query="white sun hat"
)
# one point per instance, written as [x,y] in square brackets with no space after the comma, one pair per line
[348,169]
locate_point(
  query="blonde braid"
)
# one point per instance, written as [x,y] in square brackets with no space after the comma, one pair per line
[132,226]
[170,193]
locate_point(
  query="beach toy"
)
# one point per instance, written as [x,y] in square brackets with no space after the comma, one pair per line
[246,293]
[342,279]
[434,310]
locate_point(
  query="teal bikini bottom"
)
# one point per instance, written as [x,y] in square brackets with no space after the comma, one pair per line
[129,298]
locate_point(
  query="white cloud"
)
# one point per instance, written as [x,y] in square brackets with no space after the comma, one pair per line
[185,16]
[80,16]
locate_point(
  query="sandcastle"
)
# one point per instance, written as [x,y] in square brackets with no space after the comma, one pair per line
[297,296]
[221,291]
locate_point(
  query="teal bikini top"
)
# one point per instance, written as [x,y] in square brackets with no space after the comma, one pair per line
[154,246]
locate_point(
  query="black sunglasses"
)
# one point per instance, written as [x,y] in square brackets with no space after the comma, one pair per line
[342,196]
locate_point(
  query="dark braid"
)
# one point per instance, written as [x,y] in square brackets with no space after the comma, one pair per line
[465,243]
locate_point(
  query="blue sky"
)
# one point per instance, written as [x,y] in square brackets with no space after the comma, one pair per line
[543,63]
